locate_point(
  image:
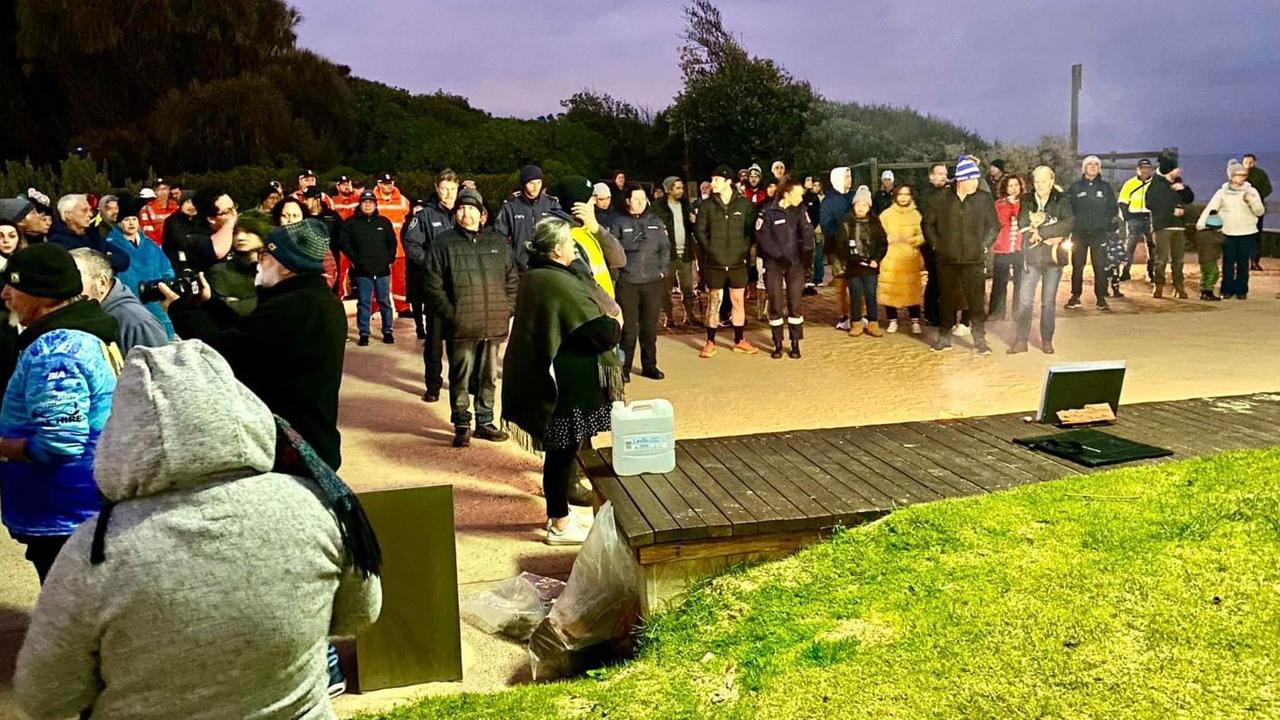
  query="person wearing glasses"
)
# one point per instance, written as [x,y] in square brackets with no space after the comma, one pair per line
[208,237]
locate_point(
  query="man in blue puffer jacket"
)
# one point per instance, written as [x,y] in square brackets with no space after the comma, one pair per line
[56,403]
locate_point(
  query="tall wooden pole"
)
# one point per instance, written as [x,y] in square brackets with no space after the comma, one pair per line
[1076,71]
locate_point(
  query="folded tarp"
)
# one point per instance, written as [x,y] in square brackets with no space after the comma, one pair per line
[1092,448]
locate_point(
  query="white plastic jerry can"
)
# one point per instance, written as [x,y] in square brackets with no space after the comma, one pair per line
[644,437]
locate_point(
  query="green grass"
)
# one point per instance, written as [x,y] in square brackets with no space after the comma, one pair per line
[1151,592]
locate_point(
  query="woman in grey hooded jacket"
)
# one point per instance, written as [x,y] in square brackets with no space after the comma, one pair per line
[211,585]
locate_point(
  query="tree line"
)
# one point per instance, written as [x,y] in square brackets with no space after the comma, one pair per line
[221,90]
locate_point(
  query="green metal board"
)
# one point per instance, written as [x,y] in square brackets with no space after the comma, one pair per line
[417,638]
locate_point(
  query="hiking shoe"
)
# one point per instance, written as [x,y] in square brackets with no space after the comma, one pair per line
[1073,303]
[893,326]
[337,683]
[843,324]
[856,329]
[1104,306]
[873,329]
[580,493]
[363,341]
[942,344]
[575,533]
[388,338]
[708,350]
[981,347]
[962,330]
[462,436]
[1018,346]
[1115,292]
[431,396]
[490,432]
[745,347]
[915,327]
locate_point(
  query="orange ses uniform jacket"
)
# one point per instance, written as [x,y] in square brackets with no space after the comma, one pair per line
[152,216]
[395,207]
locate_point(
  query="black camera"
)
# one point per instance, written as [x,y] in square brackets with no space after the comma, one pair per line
[186,283]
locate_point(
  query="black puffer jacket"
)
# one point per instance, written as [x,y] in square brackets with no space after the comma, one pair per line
[644,239]
[470,282]
[724,232]
[961,231]
[370,243]
[783,235]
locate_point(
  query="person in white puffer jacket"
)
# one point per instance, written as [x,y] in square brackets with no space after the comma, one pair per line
[1239,205]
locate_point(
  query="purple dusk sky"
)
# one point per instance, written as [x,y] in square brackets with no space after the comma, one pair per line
[1203,76]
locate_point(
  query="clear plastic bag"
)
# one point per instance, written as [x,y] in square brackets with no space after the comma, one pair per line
[592,621]
[513,608]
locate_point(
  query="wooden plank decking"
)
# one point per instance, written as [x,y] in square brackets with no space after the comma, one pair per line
[804,481]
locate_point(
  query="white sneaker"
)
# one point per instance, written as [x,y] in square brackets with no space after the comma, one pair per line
[915,327]
[962,330]
[893,326]
[843,324]
[575,533]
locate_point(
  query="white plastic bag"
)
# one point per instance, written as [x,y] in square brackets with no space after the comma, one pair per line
[513,608]
[592,621]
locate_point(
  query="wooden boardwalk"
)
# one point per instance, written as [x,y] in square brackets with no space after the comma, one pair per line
[769,493]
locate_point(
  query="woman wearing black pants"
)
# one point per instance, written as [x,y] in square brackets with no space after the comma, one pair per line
[560,375]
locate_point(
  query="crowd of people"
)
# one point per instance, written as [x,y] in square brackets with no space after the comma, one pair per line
[167,357]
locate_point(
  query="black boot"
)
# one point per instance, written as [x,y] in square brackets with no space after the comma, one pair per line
[795,350]
[776,332]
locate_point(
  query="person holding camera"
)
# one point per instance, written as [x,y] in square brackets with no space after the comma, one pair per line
[148,264]
[290,349]
[137,326]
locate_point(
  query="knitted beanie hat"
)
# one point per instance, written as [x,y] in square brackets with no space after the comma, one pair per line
[967,169]
[300,246]
[45,270]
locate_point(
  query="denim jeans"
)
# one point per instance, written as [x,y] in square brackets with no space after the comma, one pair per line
[1237,251]
[365,289]
[862,292]
[473,370]
[1048,278]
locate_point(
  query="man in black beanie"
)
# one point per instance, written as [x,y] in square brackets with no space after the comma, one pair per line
[55,404]
[470,282]
[1167,198]
[522,211]
[289,350]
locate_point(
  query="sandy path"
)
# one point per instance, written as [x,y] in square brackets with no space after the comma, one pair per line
[392,439]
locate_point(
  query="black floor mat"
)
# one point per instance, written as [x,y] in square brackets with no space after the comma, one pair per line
[1092,448]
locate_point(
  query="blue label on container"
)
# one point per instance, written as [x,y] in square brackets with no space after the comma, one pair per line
[645,443]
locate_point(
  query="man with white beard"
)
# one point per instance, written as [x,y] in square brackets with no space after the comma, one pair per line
[289,350]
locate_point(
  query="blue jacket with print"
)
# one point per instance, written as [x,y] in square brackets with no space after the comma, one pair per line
[58,400]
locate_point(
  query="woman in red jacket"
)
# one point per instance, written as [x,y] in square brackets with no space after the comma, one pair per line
[1007,249]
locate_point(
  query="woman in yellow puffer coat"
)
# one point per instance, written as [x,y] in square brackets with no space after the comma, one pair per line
[901,285]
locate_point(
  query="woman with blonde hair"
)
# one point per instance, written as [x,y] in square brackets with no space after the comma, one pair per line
[900,272]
